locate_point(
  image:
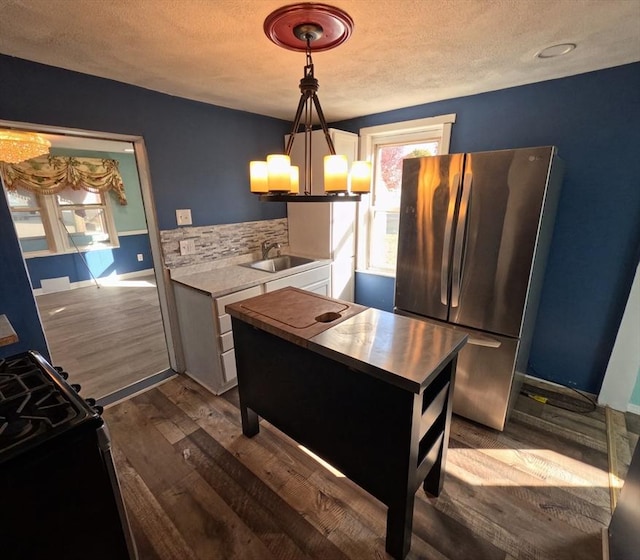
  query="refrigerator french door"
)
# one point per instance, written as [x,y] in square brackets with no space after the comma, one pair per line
[473,239]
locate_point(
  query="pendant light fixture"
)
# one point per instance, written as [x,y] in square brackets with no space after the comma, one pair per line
[17,146]
[305,28]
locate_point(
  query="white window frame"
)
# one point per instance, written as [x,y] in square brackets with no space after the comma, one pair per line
[413,131]
[57,238]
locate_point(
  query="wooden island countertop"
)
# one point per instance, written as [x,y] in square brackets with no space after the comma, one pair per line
[399,350]
[7,334]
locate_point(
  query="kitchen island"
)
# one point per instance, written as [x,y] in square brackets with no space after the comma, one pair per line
[366,390]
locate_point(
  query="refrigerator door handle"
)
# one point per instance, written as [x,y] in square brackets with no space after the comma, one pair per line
[486,342]
[461,240]
[446,246]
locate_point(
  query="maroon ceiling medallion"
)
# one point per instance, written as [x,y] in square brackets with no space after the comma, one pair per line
[293,27]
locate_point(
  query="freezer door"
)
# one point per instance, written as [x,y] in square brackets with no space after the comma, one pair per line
[495,237]
[486,379]
[486,383]
[430,188]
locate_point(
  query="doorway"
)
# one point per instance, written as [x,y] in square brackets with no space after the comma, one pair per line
[105,319]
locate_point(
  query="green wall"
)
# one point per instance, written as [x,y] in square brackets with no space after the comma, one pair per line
[635,396]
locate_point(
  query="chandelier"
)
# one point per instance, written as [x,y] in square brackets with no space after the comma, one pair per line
[17,146]
[308,27]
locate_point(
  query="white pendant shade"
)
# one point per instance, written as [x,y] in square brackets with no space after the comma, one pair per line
[360,177]
[277,175]
[279,169]
[336,171]
[258,176]
[295,179]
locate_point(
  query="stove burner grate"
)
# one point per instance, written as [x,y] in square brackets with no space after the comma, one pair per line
[30,403]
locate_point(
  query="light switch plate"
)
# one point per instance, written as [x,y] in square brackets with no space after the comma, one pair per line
[183,217]
[188,247]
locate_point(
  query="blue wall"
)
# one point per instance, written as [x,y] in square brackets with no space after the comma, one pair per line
[374,290]
[198,153]
[198,157]
[594,120]
[16,297]
[103,262]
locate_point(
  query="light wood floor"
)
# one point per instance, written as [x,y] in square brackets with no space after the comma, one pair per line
[106,338]
[196,488]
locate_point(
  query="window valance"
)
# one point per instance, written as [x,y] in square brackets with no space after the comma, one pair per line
[52,174]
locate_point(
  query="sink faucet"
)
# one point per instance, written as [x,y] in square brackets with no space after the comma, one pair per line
[266,247]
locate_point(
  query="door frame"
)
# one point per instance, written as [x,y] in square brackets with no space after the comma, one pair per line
[165,296]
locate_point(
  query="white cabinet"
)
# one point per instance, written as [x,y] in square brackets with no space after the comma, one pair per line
[325,230]
[205,327]
[315,280]
[205,333]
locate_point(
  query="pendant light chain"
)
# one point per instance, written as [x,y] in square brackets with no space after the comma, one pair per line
[308,72]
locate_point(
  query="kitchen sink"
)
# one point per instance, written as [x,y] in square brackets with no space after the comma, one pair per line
[278,263]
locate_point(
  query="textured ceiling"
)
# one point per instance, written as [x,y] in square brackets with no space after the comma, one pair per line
[402,52]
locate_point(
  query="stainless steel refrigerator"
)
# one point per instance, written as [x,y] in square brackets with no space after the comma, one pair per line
[474,235]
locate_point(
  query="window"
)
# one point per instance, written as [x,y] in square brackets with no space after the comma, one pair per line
[62,222]
[386,146]
[27,216]
[60,204]
[83,216]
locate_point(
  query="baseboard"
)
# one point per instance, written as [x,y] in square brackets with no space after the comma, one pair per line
[634,408]
[105,280]
[558,385]
[136,388]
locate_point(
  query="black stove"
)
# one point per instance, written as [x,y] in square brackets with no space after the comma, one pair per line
[35,405]
[55,452]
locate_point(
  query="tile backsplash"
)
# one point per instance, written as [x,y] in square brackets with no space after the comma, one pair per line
[221,241]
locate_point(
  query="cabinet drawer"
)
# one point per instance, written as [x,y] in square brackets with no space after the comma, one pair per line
[321,288]
[229,365]
[300,280]
[236,296]
[225,323]
[226,341]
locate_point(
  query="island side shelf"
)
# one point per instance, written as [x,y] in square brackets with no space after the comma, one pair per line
[385,429]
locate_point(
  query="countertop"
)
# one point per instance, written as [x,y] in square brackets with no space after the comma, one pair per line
[294,314]
[404,351]
[218,281]
[399,350]
[7,334]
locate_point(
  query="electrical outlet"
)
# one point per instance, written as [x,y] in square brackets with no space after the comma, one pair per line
[188,247]
[183,217]
[140,257]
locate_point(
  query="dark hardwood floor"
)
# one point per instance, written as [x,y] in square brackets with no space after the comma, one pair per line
[107,338]
[196,488]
